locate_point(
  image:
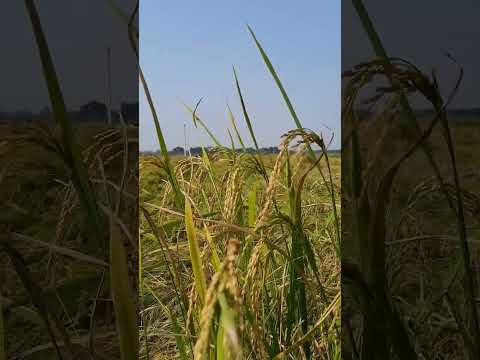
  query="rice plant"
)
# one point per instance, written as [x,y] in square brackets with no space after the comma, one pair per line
[406,296]
[240,250]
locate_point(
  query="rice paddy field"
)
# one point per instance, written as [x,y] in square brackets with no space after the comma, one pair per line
[249,268]
[301,254]
[69,216]
[410,197]
[56,293]
[422,249]
[239,250]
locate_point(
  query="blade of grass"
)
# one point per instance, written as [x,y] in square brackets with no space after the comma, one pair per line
[179,198]
[200,282]
[71,153]
[209,167]
[196,119]
[249,124]
[120,13]
[234,124]
[220,340]
[230,340]
[125,310]
[244,110]
[277,79]
[296,298]
[215,259]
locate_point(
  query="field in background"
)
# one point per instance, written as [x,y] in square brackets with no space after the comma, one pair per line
[43,222]
[424,248]
[424,282]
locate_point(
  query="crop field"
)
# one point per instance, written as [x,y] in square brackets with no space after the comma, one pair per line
[249,266]
[56,294]
[410,195]
[424,246]
[69,216]
[242,253]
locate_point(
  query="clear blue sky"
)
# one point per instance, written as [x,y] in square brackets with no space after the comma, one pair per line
[187,49]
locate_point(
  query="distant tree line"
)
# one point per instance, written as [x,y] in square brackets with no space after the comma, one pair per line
[452,114]
[197,150]
[92,111]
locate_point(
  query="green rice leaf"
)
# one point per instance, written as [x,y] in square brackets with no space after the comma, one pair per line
[215,259]
[230,344]
[125,310]
[71,153]
[234,124]
[277,79]
[195,257]
[196,119]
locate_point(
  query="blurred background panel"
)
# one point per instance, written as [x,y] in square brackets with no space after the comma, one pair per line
[68,198]
[410,184]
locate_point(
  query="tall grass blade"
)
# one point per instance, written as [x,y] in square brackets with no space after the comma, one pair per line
[209,167]
[277,79]
[234,124]
[179,198]
[244,110]
[220,348]
[71,153]
[215,258]
[196,119]
[230,349]
[195,257]
[296,299]
[123,16]
[125,310]
[249,124]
